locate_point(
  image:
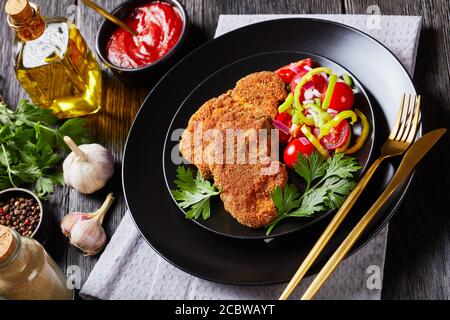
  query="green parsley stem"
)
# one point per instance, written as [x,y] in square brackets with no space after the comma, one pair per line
[308,187]
[273,224]
[7,166]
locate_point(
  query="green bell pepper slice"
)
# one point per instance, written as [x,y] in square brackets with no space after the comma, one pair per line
[299,118]
[348,80]
[331,84]
[320,117]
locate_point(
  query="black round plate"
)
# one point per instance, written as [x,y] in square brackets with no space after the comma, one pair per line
[200,252]
[221,222]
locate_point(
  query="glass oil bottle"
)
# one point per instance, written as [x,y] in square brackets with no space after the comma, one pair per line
[53,62]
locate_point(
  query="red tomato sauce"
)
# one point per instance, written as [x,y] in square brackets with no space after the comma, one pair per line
[158,25]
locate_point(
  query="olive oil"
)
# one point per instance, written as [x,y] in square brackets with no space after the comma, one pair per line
[56,67]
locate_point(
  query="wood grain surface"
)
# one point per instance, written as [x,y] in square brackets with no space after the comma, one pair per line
[418,253]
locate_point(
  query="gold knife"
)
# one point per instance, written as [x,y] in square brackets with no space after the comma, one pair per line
[412,157]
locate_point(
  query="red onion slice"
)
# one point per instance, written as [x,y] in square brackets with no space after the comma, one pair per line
[293,127]
[296,80]
[294,68]
[324,74]
[281,126]
[317,94]
[309,95]
[332,112]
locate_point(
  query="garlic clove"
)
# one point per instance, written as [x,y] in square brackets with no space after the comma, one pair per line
[71,219]
[88,236]
[88,167]
[85,230]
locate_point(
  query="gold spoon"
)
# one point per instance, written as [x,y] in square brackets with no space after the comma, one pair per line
[109,16]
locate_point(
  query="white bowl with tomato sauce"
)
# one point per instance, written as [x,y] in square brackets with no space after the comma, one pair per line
[161,28]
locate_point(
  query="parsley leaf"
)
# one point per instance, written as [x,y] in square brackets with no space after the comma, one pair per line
[341,166]
[193,194]
[31,146]
[310,168]
[27,113]
[286,200]
[74,128]
[327,184]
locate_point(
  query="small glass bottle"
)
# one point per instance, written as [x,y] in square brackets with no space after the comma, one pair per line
[53,62]
[27,272]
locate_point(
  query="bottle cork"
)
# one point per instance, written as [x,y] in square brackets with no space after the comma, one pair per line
[24,17]
[7,243]
[19,10]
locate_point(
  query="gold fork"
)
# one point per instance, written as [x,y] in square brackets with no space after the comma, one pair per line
[400,139]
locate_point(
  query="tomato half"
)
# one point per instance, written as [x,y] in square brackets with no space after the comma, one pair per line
[337,137]
[342,98]
[302,145]
[286,119]
[287,73]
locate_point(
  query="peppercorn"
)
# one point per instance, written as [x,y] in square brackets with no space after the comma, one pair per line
[20,214]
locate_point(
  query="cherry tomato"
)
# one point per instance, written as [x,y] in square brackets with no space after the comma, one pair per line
[287,74]
[286,119]
[302,145]
[337,137]
[342,98]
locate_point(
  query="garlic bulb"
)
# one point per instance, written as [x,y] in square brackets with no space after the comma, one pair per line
[88,236]
[69,221]
[88,167]
[85,230]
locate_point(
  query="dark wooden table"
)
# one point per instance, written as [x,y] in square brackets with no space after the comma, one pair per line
[418,253]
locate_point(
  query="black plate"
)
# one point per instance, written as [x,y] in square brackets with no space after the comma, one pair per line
[221,222]
[222,259]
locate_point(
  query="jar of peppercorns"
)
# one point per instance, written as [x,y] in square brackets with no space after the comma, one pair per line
[21,210]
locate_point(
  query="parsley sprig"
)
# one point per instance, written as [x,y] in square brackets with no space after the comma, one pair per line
[31,145]
[328,182]
[194,193]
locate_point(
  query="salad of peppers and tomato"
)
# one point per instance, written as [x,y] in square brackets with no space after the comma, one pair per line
[319,113]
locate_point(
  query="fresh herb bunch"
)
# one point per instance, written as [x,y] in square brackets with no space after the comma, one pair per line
[31,146]
[328,182]
[194,193]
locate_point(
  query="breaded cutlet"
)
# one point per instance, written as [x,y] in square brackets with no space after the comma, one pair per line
[249,107]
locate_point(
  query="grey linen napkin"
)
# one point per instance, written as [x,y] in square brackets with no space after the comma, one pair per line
[130,269]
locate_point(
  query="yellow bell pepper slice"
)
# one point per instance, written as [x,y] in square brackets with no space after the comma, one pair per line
[364,133]
[299,118]
[287,104]
[347,114]
[307,77]
[308,134]
[331,85]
